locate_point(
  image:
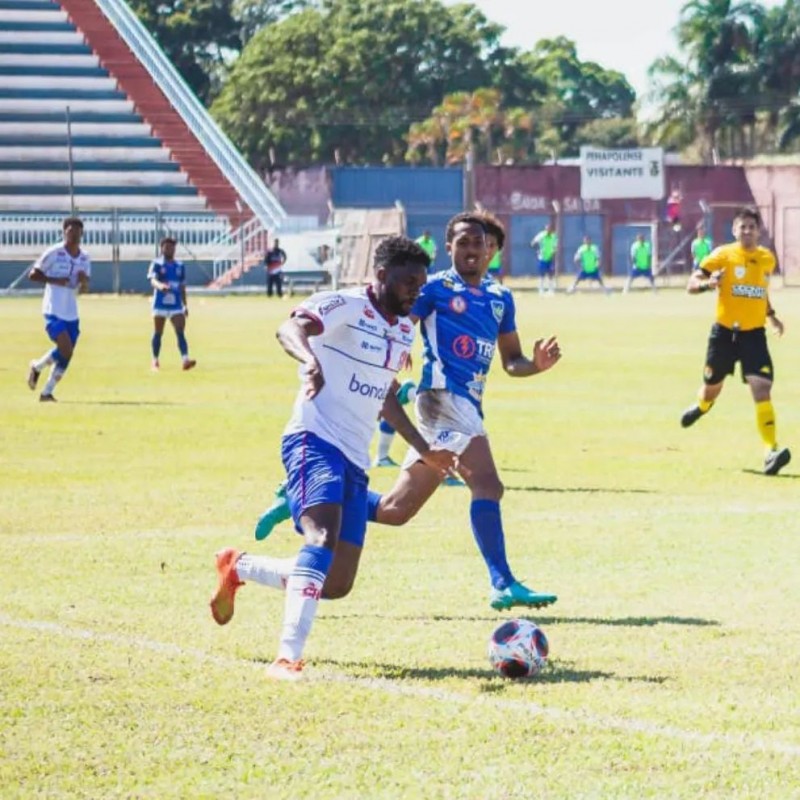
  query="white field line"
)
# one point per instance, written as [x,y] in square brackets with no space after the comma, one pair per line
[749,744]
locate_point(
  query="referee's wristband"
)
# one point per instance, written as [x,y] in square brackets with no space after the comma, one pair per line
[703,286]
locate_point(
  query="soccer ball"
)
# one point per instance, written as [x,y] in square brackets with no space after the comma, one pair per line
[518,649]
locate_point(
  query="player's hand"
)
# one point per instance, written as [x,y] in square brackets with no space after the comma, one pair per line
[444,462]
[546,353]
[714,278]
[59,281]
[777,325]
[313,379]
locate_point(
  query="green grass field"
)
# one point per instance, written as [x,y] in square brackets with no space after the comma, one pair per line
[674,645]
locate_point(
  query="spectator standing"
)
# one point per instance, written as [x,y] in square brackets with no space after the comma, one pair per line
[274,260]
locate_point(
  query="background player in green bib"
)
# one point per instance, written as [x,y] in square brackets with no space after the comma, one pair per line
[701,247]
[641,262]
[546,244]
[428,244]
[587,256]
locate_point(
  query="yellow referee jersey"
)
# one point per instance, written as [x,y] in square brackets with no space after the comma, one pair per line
[742,293]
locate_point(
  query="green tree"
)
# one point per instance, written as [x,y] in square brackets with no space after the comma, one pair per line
[195,35]
[345,80]
[253,15]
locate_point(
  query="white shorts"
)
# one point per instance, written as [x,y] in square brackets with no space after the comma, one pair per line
[168,312]
[446,421]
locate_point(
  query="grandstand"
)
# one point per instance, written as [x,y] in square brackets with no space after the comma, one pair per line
[94,119]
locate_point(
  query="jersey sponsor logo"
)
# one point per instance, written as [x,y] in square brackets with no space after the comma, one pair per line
[498,309]
[744,290]
[329,305]
[405,328]
[366,326]
[368,312]
[464,346]
[766,370]
[365,389]
[740,272]
[371,347]
[458,304]
[485,350]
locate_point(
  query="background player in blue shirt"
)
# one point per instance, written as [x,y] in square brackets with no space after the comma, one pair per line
[464,317]
[168,279]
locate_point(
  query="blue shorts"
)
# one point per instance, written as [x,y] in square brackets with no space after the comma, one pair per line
[317,473]
[589,276]
[642,273]
[545,267]
[55,326]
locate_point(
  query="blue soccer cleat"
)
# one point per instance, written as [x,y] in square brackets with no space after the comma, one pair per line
[275,514]
[519,595]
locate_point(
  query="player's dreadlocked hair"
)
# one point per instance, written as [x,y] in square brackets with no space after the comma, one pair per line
[464,216]
[395,251]
[494,227]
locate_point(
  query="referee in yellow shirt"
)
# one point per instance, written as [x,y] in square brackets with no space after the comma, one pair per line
[739,272]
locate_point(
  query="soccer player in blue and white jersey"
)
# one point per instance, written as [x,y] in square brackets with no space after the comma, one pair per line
[64,269]
[350,345]
[168,279]
[464,318]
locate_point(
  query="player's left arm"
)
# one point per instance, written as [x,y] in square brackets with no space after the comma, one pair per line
[777,325]
[546,353]
[184,301]
[83,279]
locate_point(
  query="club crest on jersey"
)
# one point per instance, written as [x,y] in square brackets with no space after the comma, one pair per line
[368,312]
[458,304]
[404,328]
[330,304]
[498,309]
[740,272]
[476,386]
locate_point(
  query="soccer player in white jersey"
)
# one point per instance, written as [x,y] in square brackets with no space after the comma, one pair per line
[168,279]
[64,269]
[465,317]
[350,345]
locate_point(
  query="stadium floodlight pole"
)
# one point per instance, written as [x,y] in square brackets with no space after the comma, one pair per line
[70,165]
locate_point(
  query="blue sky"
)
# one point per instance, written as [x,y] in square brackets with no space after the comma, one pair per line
[626,35]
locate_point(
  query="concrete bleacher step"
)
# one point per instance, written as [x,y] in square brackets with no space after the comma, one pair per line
[23,128]
[154,181]
[38,104]
[46,60]
[61,203]
[53,71]
[85,154]
[161,167]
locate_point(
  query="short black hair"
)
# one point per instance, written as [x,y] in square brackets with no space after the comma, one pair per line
[168,239]
[72,221]
[494,228]
[470,217]
[748,212]
[394,251]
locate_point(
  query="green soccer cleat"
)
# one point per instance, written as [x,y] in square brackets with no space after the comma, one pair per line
[275,514]
[404,392]
[451,480]
[519,595]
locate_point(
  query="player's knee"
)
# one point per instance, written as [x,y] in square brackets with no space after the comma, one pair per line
[61,359]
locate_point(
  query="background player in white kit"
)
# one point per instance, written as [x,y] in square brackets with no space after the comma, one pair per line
[351,344]
[64,269]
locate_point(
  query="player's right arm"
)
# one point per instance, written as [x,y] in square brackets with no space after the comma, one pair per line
[293,336]
[708,275]
[160,286]
[38,273]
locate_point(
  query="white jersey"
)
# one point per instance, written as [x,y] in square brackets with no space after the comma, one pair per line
[360,352]
[56,262]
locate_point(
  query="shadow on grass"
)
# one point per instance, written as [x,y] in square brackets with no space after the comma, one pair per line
[780,476]
[576,490]
[625,622]
[119,403]
[554,673]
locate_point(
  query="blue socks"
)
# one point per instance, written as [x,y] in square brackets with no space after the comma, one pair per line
[385,427]
[182,345]
[487,528]
[155,343]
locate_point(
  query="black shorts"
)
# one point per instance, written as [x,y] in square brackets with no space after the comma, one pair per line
[726,347]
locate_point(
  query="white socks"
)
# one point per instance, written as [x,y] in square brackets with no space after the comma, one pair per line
[272,572]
